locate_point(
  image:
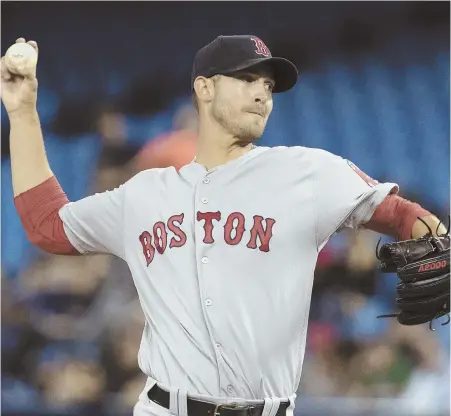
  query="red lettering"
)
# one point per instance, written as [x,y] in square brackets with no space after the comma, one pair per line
[146,242]
[208,225]
[432,266]
[258,231]
[177,231]
[234,228]
[161,238]
[229,227]
[261,48]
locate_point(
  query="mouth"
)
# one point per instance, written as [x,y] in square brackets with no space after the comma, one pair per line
[258,113]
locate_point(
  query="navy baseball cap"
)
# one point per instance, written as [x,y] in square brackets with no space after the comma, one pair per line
[228,54]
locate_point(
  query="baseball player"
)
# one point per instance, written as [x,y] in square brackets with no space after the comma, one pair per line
[222,252]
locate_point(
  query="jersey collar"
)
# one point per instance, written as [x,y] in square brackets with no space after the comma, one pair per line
[197,171]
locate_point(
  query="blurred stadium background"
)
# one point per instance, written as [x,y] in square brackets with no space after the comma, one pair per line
[114,98]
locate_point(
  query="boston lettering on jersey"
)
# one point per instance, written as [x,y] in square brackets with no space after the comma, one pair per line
[258,236]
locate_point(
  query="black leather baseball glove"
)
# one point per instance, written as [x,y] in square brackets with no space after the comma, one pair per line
[422,266]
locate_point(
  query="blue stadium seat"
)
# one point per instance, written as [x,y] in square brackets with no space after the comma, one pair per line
[74,162]
[309,119]
[48,105]
[17,252]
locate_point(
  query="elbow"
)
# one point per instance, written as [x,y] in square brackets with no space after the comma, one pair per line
[39,242]
[49,235]
[38,209]
[51,245]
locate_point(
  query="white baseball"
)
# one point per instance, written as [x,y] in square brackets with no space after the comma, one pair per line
[21,59]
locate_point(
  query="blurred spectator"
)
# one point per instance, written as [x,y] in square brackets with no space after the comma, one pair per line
[378,370]
[119,355]
[111,126]
[75,117]
[322,364]
[72,384]
[177,148]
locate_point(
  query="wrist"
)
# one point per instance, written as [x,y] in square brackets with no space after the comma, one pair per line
[24,115]
[433,224]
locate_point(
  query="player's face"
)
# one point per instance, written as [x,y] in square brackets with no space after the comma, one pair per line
[243,103]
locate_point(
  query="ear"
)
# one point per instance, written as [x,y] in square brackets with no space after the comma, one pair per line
[205,89]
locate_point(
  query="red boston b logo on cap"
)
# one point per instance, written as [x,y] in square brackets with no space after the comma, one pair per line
[261,48]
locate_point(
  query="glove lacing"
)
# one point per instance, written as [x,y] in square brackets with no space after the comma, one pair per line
[438,313]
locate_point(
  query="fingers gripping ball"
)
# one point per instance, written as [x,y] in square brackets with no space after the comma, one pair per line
[21,59]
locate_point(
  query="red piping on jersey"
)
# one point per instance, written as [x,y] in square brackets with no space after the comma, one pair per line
[38,210]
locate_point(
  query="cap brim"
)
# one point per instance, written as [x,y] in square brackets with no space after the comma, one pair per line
[285,72]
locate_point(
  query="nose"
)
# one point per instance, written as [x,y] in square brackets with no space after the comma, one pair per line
[260,93]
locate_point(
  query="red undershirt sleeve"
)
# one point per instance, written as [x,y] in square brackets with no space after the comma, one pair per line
[395,216]
[38,210]
[90,225]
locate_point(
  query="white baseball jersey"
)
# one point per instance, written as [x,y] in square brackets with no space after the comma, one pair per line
[223,261]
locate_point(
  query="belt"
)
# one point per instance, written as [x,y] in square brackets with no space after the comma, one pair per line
[198,408]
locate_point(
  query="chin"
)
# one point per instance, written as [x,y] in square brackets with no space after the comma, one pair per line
[248,133]
[249,138]
[257,132]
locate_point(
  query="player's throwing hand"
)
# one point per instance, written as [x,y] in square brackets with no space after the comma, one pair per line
[19,90]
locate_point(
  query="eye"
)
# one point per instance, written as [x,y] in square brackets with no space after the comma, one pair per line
[269,85]
[246,78]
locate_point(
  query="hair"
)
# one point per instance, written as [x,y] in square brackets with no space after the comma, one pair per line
[195,101]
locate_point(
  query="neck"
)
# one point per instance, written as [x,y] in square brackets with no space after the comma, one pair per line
[216,147]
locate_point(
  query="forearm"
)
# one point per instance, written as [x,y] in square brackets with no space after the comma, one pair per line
[398,217]
[419,229]
[29,163]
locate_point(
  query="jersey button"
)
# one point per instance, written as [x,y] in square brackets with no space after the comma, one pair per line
[218,345]
[204,260]
[230,388]
[204,200]
[206,180]
[208,302]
